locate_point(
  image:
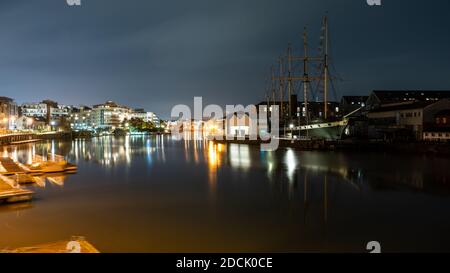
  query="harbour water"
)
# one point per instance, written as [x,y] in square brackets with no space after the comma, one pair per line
[157,194]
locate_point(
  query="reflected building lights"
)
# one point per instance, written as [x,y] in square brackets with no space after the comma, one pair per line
[291,164]
[214,162]
[240,156]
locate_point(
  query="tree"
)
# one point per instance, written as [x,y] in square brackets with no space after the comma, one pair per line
[139,125]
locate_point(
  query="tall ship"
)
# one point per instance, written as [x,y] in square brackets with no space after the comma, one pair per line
[309,78]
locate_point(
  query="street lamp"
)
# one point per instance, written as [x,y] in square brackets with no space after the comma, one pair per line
[291,126]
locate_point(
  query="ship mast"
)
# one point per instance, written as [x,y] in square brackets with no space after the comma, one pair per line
[281,88]
[305,74]
[273,85]
[325,77]
[287,74]
[289,81]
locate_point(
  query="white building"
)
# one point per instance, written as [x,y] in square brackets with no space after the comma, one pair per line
[146,116]
[34,110]
[39,110]
[109,115]
[81,118]
[239,125]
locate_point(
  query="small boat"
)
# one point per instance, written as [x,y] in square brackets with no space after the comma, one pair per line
[10,191]
[40,181]
[77,244]
[47,167]
[40,165]
[71,167]
[58,180]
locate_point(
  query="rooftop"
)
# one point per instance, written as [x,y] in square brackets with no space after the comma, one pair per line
[405,95]
[349,99]
[445,112]
[405,106]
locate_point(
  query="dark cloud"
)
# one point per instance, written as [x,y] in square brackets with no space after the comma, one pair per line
[155,54]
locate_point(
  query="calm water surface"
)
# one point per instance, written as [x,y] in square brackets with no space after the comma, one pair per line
[155,194]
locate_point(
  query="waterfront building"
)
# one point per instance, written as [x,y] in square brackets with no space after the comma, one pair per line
[81,119]
[384,98]
[407,120]
[440,130]
[29,123]
[33,110]
[238,125]
[146,116]
[352,103]
[50,110]
[8,113]
[110,115]
[155,119]
[437,134]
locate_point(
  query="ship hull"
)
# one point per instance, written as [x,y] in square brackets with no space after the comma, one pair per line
[327,131]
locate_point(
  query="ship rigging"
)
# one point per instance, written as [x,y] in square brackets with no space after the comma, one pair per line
[317,113]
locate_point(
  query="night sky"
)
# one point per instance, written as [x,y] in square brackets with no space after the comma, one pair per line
[155,54]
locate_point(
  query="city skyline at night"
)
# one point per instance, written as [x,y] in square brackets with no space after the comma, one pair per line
[224,135]
[157,54]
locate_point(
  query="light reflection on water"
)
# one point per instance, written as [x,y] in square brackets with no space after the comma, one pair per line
[156,194]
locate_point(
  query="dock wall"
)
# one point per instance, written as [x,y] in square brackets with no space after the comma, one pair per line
[30,137]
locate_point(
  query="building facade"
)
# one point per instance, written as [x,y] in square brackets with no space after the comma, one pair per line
[81,119]
[9,113]
[440,130]
[410,119]
[146,116]
[109,115]
[46,109]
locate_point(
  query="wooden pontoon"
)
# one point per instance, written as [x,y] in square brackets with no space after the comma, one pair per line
[11,193]
[76,245]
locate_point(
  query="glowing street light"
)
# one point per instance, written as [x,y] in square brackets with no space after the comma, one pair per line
[291,126]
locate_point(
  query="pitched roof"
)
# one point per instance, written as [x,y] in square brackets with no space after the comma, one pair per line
[406,95]
[349,99]
[405,106]
[445,112]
